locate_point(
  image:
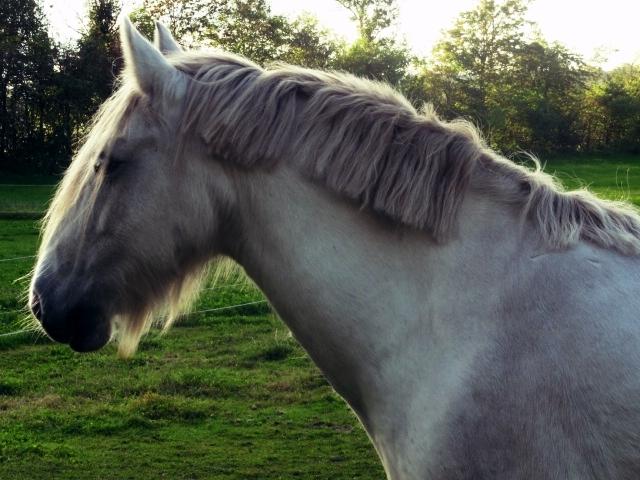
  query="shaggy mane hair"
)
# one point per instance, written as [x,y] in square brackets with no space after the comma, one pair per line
[366,142]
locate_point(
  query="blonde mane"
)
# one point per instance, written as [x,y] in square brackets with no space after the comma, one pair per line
[363,140]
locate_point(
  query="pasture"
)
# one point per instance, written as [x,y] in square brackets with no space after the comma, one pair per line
[225,394]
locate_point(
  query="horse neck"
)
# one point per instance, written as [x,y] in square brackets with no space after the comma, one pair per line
[373,303]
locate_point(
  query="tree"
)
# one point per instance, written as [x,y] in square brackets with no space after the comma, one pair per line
[544,95]
[99,58]
[189,20]
[84,77]
[143,21]
[524,92]
[479,53]
[435,85]
[611,110]
[248,27]
[379,60]
[374,55]
[245,27]
[310,45]
[372,16]
[26,72]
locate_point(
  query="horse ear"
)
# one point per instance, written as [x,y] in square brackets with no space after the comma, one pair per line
[145,62]
[164,41]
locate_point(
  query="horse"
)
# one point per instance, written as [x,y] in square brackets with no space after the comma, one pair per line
[479,320]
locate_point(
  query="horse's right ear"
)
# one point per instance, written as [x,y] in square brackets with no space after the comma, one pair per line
[145,63]
[164,41]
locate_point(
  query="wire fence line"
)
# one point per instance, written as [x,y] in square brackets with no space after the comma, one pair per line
[16,258]
[207,310]
[219,287]
[220,309]
[27,185]
[17,332]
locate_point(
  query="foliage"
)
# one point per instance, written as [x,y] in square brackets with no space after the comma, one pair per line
[524,93]
[491,67]
[26,80]
[374,55]
[371,16]
[611,107]
[188,20]
[48,91]
[245,27]
[310,45]
[542,101]
[99,58]
[248,28]
[475,59]
[378,60]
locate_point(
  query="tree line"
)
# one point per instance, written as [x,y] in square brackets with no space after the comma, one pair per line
[492,67]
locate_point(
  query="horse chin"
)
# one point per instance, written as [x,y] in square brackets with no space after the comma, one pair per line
[84,328]
[89,328]
[91,336]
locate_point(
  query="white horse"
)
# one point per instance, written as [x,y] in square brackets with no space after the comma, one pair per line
[482,323]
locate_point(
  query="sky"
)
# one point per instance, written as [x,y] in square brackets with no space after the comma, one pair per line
[584,26]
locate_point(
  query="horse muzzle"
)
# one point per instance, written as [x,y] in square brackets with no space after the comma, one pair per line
[81,324]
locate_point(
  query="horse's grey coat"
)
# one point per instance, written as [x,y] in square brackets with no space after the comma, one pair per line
[459,365]
[493,337]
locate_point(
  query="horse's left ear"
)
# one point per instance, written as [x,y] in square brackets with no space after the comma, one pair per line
[148,66]
[164,41]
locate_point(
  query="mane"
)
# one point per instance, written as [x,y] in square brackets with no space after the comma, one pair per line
[363,140]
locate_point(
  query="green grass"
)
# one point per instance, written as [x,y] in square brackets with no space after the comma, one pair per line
[613,177]
[224,395]
[18,238]
[17,200]
[201,402]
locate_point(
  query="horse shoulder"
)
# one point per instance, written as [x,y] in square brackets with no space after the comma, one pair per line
[557,395]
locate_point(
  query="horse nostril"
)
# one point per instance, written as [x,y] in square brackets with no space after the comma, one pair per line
[36,306]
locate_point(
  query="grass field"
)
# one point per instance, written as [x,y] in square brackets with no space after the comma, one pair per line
[616,177]
[16,200]
[224,395]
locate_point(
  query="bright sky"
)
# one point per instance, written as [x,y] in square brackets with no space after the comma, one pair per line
[585,26]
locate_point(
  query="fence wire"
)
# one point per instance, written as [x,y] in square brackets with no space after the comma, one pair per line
[219,287]
[26,185]
[16,258]
[207,310]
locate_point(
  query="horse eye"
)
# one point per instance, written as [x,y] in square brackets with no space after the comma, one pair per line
[96,166]
[113,166]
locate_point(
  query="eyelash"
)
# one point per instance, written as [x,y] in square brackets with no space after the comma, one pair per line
[112,165]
